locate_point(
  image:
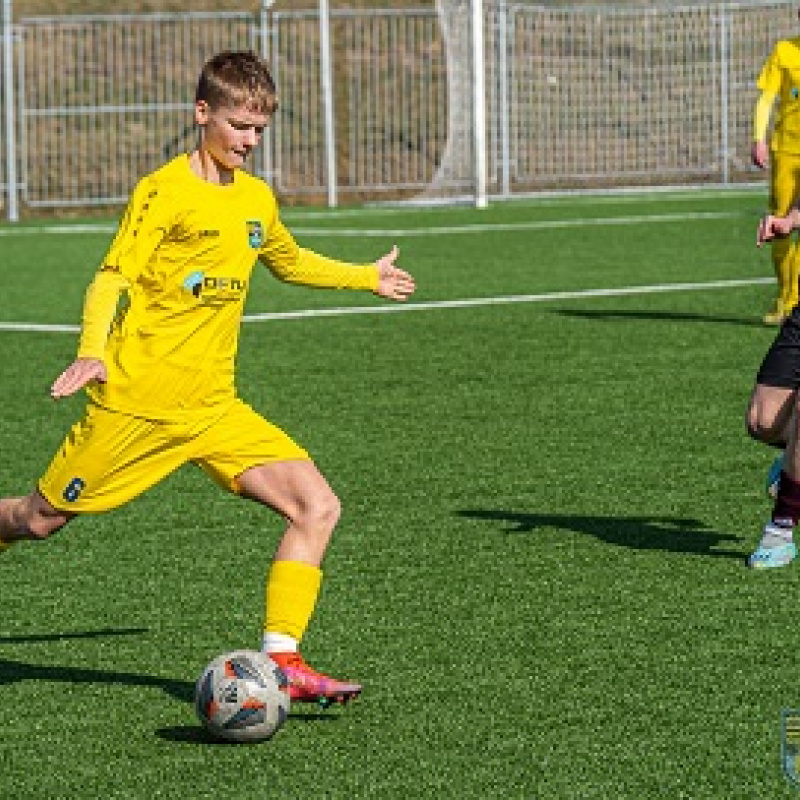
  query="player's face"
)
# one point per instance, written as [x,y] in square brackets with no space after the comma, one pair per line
[230,134]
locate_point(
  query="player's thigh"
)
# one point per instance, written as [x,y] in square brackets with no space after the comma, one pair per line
[240,440]
[784,182]
[777,381]
[295,489]
[107,459]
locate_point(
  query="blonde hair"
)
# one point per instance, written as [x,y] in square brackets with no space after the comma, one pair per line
[237,78]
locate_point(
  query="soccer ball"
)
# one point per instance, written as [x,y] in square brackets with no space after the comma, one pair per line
[242,696]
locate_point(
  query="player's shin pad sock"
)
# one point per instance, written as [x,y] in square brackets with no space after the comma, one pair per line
[291,595]
[786,510]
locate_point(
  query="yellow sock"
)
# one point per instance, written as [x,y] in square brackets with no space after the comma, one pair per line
[291,595]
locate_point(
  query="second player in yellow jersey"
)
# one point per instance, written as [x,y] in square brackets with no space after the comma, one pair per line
[779,88]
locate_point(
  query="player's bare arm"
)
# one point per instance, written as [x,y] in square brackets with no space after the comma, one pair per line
[393,282]
[77,375]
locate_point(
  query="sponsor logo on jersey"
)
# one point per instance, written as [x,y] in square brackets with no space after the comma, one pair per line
[211,289]
[194,283]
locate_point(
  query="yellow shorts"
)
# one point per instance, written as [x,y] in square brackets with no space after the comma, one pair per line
[109,458]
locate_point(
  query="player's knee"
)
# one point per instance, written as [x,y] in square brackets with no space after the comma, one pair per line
[322,512]
[759,425]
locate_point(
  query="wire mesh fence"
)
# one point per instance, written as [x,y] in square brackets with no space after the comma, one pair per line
[576,97]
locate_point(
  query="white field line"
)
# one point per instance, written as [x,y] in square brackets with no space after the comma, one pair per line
[436,230]
[434,305]
[57,230]
[531,225]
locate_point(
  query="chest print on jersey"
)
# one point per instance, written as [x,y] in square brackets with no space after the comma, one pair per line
[212,289]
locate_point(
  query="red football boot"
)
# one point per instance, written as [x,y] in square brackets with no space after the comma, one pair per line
[309,686]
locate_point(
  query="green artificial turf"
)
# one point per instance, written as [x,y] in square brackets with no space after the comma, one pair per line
[538,575]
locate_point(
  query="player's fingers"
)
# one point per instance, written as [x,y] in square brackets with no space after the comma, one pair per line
[401,275]
[66,385]
[75,377]
[763,231]
[63,380]
[61,388]
[403,289]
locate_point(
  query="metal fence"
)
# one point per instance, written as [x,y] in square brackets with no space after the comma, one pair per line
[575,98]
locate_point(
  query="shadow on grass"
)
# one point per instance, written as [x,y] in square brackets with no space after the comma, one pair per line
[14,671]
[671,316]
[183,691]
[196,734]
[30,638]
[672,534]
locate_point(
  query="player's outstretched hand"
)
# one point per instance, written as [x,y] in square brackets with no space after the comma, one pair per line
[393,282]
[77,375]
[772,227]
[759,154]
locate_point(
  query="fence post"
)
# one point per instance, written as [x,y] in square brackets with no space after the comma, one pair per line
[12,188]
[266,145]
[479,102]
[327,100]
[504,105]
[724,75]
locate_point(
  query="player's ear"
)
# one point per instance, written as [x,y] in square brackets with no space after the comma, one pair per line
[201,111]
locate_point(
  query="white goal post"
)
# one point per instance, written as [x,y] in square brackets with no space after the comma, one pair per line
[552,97]
[462,168]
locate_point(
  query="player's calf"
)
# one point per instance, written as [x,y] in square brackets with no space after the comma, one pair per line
[30,517]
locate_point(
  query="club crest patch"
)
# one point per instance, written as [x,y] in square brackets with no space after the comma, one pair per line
[255,233]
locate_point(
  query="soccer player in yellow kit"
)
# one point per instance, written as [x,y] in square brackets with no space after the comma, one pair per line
[159,372]
[780,79]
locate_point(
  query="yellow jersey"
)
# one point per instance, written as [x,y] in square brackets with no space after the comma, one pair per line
[185,251]
[780,76]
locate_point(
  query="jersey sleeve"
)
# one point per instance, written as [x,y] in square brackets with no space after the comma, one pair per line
[143,226]
[99,308]
[769,79]
[141,230]
[293,264]
[761,116]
